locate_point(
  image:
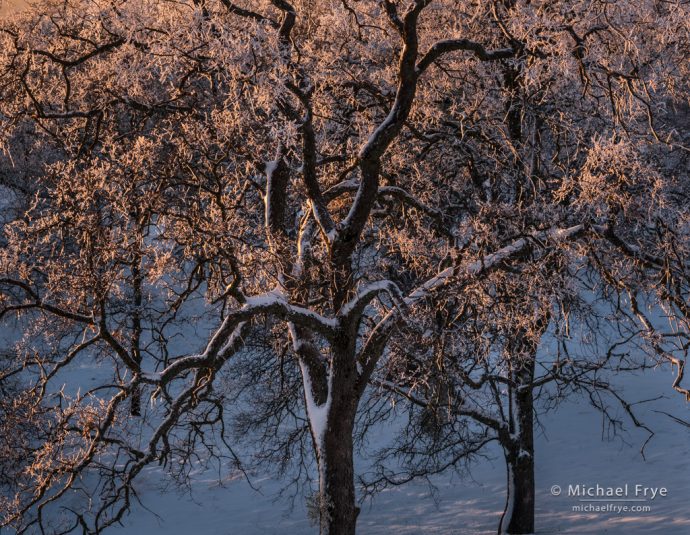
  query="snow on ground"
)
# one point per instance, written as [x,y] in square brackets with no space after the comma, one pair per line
[572,448]
[569,451]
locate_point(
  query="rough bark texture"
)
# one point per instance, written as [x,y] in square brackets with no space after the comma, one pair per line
[340,515]
[519,512]
[336,465]
[518,517]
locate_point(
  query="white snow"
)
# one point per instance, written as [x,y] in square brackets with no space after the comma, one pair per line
[317,414]
[511,499]
[270,168]
[569,450]
[487,261]
[276,297]
[368,291]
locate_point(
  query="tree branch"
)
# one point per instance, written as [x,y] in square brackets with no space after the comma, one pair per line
[235,10]
[379,141]
[452,45]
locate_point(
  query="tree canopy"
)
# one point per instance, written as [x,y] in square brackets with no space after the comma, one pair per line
[189,181]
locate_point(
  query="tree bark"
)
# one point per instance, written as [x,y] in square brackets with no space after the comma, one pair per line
[518,445]
[518,516]
[336,467]
[333,442]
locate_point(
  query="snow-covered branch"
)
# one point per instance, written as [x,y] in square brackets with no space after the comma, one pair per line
[228,338]
[487,262]
[38,303]
[354,308]
[376,341]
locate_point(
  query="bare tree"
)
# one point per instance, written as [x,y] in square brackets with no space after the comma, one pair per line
[309,171]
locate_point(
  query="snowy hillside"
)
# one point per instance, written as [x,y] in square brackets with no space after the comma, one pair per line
[570,451]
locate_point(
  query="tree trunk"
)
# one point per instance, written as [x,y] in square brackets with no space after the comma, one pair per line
[135,406]
[333,441]
[518,516]
[336,470]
